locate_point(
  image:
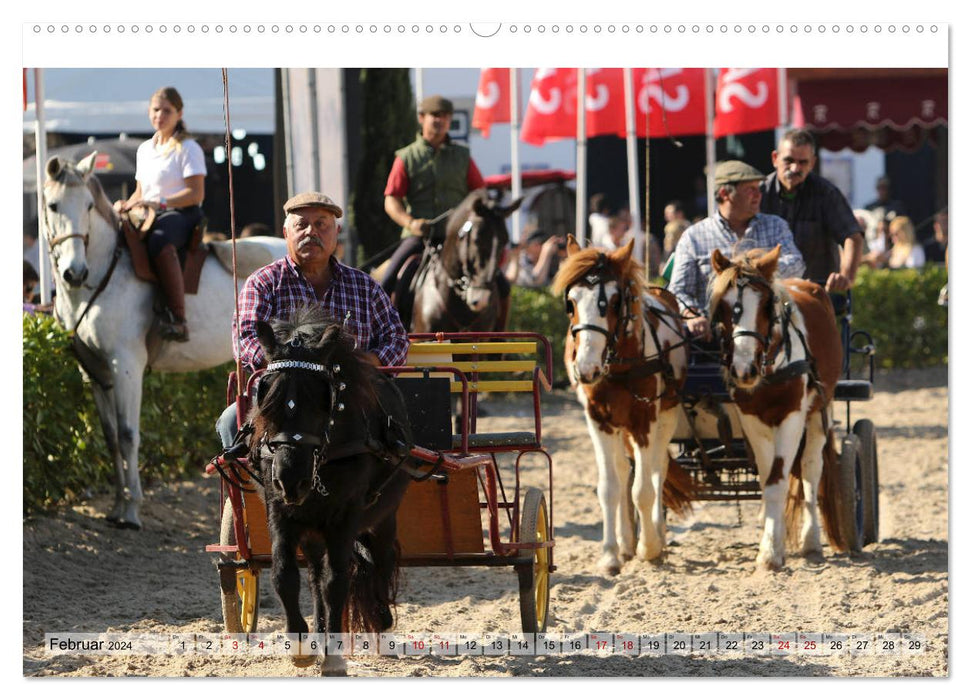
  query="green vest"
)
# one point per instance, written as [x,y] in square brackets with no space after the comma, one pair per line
[437,180]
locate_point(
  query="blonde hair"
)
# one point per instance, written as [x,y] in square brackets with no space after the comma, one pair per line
[903,227]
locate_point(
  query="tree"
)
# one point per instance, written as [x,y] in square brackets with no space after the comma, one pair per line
[388,122]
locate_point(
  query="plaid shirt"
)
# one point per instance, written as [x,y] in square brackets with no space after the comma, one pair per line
[277,289]
[692,256]
[819,217]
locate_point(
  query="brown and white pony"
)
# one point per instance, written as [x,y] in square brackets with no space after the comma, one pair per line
[782,356]
[627,359]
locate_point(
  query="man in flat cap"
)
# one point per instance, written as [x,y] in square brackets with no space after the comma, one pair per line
[311,274]
[821,220]
[736,226]
[428,177]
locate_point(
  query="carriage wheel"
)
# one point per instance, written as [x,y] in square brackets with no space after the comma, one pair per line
[849,496]
[869,479]
[534,577]
[240,587]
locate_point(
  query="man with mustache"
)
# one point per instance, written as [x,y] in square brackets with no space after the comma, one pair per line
[311,274]
[822,222]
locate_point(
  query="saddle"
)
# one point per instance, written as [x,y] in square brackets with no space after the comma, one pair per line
[410,277]
[136,224]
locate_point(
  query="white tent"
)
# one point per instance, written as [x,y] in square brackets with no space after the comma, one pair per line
[115,100]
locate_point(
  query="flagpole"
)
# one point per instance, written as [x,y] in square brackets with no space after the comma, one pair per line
[517,176]
[783,104]
[40,145]
[581,190]
[419,86]
[710,141]
[640,247]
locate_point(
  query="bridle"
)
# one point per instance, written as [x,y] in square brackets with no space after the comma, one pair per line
[464,283]
[296,439]
[769,350]
[598,276]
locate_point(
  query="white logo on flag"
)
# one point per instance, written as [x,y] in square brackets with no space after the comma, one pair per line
[489,99]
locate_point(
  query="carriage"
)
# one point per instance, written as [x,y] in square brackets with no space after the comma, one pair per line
[709,445]
[459,479]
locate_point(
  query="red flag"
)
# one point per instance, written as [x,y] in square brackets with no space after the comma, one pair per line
[747,99]
[605,102]
[675,98]
[491,99]
[552,109]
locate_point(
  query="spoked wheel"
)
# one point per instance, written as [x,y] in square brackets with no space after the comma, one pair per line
[850,497]
[240,587]
[868,480]
[534,577]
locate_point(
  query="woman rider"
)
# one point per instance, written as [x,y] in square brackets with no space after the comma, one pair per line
[170,172]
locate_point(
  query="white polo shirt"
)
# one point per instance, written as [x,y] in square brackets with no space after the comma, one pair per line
[162,174]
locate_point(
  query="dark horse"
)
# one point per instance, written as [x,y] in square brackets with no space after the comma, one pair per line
[331,435]
[455,288]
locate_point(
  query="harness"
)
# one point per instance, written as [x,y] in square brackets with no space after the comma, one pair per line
[462,284]
[634,367]
[323,451]
[770,349]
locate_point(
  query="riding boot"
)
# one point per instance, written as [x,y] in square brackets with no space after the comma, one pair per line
[169,272]
[502,315]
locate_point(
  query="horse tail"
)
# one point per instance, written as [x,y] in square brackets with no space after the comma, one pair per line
[827,496]
[829,490]
[795,498]
[370,600]
[679,489]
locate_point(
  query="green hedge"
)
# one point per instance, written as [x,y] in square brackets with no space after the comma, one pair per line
[897,307]
[538,311]
[64,450]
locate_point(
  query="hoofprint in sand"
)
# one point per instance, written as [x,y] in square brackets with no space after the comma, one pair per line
[80,575]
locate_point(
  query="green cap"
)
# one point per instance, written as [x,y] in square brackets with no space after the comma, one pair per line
[731,171]
[435,103]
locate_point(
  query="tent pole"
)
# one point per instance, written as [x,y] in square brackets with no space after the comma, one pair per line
[517,176]
[581,203]
[640,247]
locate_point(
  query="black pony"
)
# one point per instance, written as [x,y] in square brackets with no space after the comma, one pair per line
[332,441]
[456,288]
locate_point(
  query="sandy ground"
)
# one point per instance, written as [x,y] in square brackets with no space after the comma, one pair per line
[80,575]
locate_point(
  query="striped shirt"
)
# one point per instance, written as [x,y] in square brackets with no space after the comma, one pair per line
[277,289]
[692,256]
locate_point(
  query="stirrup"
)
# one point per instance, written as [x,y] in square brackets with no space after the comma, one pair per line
[171,328]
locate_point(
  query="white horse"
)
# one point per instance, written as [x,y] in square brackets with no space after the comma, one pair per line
[110,310]
[627,359]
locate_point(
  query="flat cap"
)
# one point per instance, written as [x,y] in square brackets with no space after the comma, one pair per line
[731,171]
[312,199]
[435,103]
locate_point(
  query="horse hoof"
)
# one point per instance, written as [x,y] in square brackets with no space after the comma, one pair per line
[122,524]
[649,554]
[334,666]
[385,617]
[303,661]
[771,565]
[610,569]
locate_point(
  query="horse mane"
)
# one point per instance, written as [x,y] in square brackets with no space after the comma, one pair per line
[578,265]
[743,265]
